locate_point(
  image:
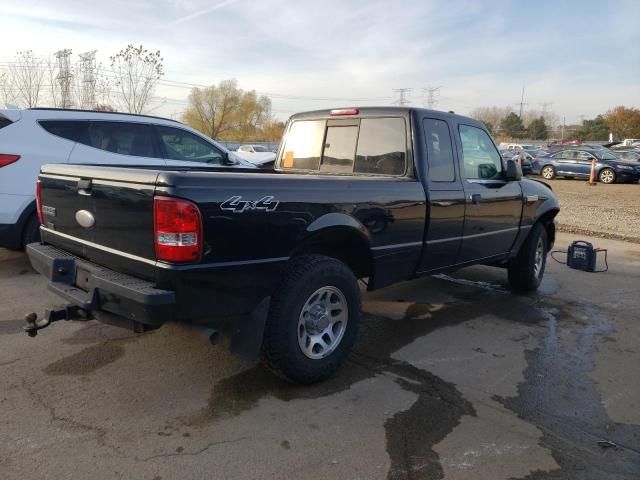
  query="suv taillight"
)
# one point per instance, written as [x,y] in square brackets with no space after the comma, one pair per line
[39,200]
[177,230]
[6,159]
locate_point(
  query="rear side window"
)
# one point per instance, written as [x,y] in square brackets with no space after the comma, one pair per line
[70,130]
[124,138]
[382,146]
[303,146]
[4,122]
[439,150]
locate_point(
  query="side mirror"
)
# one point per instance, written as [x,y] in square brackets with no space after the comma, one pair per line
[228,159]
[514,170]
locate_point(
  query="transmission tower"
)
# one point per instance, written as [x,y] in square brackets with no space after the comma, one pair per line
[402,99]
[430,94]
[87,65]
[522,102]
[544,106]
[64,77]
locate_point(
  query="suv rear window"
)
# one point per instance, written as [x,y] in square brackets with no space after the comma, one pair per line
[370,146]
[70,130]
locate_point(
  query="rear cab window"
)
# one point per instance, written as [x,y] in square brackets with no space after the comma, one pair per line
[368,146]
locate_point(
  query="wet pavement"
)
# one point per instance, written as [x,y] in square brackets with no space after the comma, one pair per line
[452,377]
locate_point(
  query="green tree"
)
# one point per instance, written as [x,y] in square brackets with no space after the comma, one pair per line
[226,112]
[624,122]
[596,129]
[512,126]
[538,129]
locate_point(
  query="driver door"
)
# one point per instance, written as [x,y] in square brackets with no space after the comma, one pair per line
[183,148]
[493,205]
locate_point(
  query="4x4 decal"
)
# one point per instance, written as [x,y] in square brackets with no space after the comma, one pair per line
[235,204]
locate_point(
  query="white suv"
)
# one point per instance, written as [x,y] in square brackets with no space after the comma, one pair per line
[31,138]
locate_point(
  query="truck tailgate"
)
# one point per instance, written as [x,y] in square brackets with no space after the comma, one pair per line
[100,212]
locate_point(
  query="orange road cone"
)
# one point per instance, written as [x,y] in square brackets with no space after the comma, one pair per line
[592,176]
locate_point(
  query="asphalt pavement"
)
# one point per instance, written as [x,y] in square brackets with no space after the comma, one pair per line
[452,377]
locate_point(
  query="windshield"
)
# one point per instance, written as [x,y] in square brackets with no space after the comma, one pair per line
[258,148]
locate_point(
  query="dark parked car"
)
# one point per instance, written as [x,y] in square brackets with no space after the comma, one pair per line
[631,155]
[576,162]
[382,194]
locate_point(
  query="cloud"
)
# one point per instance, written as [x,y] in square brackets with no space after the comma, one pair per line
[204,11]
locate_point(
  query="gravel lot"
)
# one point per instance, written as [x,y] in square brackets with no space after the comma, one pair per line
[609,211]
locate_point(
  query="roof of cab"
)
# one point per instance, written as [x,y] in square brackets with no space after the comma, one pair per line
[377,111]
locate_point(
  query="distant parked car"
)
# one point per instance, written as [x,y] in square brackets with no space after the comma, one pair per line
[576,162]
[31,138]
[257,154]
[525,158]
[631,155]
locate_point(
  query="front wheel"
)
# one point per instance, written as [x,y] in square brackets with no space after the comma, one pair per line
[607,175]
[527,268]
[313,319]
[548,172]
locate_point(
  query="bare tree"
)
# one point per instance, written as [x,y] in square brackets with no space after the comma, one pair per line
[136,70]
[7,90]
[27,77]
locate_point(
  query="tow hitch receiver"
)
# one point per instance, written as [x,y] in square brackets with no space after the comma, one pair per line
[68,312]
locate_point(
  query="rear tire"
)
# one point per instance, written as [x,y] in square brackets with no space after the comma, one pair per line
[607,175]
[31,233]
[548,172]
[527,268]
[313,320]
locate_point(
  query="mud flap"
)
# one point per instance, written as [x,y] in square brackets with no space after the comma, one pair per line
[246,340]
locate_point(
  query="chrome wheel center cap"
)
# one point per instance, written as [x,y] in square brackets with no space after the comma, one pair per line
[318,319]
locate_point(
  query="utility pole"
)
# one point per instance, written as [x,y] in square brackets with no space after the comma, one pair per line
[64,77]
[402,99]
[430,92]
[88,79]
[563,124]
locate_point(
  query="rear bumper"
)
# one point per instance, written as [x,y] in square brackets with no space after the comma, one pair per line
[93,287]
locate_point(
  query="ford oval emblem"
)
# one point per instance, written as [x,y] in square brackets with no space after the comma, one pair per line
[85,218]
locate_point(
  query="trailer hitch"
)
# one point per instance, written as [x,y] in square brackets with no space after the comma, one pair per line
[68,312]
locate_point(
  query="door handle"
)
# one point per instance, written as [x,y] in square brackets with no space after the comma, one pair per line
[475,198]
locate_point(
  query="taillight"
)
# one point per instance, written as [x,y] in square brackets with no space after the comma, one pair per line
[6,159]
[39,200]
[177,230]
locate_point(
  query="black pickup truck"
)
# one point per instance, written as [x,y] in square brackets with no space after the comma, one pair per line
[378,194]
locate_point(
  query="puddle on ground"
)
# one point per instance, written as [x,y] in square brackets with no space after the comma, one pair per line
[563,401]
[8,327]
[87,360]
[411,433]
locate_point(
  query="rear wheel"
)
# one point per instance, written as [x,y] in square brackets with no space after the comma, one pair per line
[313,319]
[548,172]
[607,175]
[527,268]
[31,233]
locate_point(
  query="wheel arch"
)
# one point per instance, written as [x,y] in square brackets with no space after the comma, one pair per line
[341,237]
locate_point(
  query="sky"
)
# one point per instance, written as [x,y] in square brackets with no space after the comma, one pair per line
[581,58]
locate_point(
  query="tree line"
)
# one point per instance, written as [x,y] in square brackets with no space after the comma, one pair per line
[223,111]
[622,122]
